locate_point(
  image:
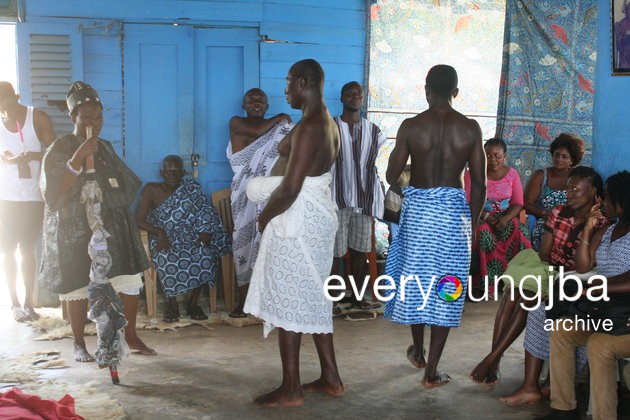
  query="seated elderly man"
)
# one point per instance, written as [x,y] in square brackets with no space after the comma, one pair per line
[609,248]
[186,236]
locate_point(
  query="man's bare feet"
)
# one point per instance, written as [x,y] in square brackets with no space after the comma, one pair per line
[523,395]
[438,380]
[416,359]
[281,398]
[19,314]
[139,346]
[485,373]
[320,385]
[30,312]
[81,354]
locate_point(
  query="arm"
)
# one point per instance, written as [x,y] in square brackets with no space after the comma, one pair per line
[545,247]
[147,203]
[43,128]
[304,145]
[585,252]
[239,126]
[398,157]
[87,148]
[532,192]
[477,171]
[619,283]
[516,202]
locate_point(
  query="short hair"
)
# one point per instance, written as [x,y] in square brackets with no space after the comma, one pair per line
[588,173]
[310,70]
[252,90]
[495,141]
[573,144]
[442,79]
[618,192]
[173,158]
[349,85]
[6,89]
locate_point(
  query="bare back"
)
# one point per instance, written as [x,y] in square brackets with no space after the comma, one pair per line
[440,143]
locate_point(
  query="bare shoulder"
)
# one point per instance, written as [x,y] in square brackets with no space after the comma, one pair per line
[236,121]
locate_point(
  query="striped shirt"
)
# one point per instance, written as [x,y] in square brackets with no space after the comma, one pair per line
[355,182]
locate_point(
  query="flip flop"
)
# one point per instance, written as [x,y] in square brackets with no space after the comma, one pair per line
[170,317]
[197,314]
[237,313]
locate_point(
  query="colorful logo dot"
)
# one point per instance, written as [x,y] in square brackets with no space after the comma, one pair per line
[442,289]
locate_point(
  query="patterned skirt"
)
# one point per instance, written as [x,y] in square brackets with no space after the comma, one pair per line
[432,252]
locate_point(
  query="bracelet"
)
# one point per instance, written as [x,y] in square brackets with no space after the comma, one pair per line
[72,170]
[587,243]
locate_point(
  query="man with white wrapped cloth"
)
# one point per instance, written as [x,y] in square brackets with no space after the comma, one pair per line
[296,249]
[252,151]
[432,248]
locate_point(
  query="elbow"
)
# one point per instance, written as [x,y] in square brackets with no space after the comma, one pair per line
[391,178]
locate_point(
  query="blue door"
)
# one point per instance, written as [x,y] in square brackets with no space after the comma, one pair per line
[182,84]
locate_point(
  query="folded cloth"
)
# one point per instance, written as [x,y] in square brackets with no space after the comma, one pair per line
[14,404]
[294,259]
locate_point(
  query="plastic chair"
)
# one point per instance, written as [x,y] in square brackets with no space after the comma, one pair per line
[222,203]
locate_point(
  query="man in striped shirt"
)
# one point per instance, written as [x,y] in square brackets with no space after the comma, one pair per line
[356,187]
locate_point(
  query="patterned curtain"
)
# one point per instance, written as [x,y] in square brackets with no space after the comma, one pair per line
[549,58]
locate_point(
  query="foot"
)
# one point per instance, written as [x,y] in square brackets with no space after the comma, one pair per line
[238,313]
[19,314]
[197,314]
[560,415]
[336,310]
[138,345]
[281,398]
[416,359]
[523,395]
[170,316]
[321,385]
[30,312]
[438,380]
[485,372]
[81,354]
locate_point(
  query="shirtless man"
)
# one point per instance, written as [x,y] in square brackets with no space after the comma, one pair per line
[21,205]
[286,271]
[437,223]
[252,152]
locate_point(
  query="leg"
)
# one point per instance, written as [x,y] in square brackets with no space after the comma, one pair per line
[508,325]
[329,380]
[10,272]
[357,266]
[77,311]
[415,352]
[432,378]
[528,392]
[130,303]
[193,309]
[242,295]
[336,271]
[603,352]
[28,276]
[172,313]
[289,394]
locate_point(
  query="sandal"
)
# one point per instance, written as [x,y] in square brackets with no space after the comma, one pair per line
[170,316]
[364,306]
[197,314]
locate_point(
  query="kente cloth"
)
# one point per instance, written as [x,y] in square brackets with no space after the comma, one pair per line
[547,83]
[65,263]
[433,243]
[547,200]
[296,253]
[187,264]
[355,181]
[257,159]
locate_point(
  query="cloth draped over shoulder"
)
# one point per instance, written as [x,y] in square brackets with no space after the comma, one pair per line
[434,241]
[294,260]
[547,200]
[65,262]
[187,264]
[257,159]
[355,181]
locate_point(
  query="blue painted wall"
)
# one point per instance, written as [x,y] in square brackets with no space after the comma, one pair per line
[611,125]
[330,31]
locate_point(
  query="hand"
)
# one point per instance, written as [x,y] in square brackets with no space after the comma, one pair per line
[594,216]
[262,223]
[593,283]
[205,239]
[162,241]
[281,117]
[87,148]
[501,223]
[11,159]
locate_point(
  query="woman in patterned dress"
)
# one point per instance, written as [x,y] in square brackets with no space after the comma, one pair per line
[500,235]
[547,187]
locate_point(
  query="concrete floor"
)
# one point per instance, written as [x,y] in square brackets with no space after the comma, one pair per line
[205,374]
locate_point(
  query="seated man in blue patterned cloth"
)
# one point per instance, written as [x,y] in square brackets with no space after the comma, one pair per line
[186,236]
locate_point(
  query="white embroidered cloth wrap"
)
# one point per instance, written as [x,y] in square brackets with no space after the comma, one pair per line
[294,260]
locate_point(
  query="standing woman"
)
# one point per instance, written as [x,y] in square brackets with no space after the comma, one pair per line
[65,261]
[547,187]
[500,235]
